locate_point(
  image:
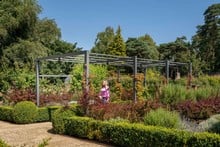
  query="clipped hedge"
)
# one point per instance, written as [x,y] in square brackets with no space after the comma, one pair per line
[6,113]
[25,112]
[43,115]
[126,134]
[58,118]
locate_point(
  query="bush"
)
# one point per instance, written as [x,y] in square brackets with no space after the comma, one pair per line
[43,114]
[164,118]
[6,113]
[59,116]
[3,144]
[212,124]
[127,134]
[25,112]
[172,94]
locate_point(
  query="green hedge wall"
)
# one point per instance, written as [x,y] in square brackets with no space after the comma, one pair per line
[6,113]
[43,115]
[126,134]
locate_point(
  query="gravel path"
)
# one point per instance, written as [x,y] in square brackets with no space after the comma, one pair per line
[31,135]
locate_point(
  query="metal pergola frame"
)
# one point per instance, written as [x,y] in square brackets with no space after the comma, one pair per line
[86,58]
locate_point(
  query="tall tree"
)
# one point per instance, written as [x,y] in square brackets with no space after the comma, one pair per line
[117,46]
[17,20]
[207,38]
[103,41]
[143,47]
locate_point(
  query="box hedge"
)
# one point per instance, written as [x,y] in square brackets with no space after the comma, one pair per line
[126,134]
[6,113]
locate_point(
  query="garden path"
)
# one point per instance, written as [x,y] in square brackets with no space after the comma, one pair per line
[31,135]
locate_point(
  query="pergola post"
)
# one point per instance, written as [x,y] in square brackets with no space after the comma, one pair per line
[190,73]
[167,70]
[86,69]
[118,75]
[134,78]
[37,62]
[145,73]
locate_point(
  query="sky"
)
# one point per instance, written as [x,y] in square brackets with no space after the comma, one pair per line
[164,20]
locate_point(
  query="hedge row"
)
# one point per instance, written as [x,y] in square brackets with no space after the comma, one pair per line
[43,114]
[126,134]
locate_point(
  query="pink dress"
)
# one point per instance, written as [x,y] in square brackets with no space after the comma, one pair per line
[104,94]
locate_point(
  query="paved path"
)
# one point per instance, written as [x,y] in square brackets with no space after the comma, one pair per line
[31,135]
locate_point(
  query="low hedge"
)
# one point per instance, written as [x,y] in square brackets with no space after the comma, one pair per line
[58,118]
[126,134]
[6,113]
[25,112]
[43,115]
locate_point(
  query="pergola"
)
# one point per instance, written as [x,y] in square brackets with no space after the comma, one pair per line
[86,58]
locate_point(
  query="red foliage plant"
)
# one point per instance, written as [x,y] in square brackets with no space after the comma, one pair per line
[17,95]
[134,112]
[199,110]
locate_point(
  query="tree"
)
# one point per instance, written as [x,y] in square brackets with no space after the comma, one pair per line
[143,47]
[207,39]
[103,41]
[117,46]
[46,32]
[17,20]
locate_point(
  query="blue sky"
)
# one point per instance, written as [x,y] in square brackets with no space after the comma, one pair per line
[164,20]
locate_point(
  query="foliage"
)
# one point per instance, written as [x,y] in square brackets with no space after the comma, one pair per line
[3,143]
[103,41]
[18,79]
[127,134]
[59,116]
[171,94]
[97,74]
[6,113]
[134,112]
[199,110]
[142,47]
[162,117]
[117,46]
[25,112]
[45,142]
[43,114]
[207,38]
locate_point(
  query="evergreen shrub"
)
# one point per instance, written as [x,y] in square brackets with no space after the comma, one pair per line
[162,117]
[25,112]
[6,113]
[59,115]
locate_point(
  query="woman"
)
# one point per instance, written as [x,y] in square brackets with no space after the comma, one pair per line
[104,93]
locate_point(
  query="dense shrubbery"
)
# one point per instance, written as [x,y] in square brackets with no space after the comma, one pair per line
[162,117]
[126,134]
[199,110]
[133,112]
[6,113]
[58,118]
[25,112]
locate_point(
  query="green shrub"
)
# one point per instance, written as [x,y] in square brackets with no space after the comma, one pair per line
[51,110]
[43,114]
[59,116]
[127,134]
[6,113]
[164,118]
[25,112]
[3,144]
[172,94]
